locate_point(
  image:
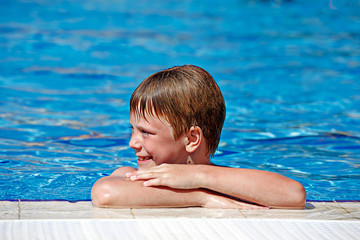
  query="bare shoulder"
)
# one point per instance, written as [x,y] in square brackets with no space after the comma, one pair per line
[120,172]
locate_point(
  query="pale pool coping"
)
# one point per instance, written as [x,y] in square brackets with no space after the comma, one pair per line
[80,220]
[32,210]
[179,228]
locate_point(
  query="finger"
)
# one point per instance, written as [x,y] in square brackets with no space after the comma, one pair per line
[141,176]
[129,174]
[152,182]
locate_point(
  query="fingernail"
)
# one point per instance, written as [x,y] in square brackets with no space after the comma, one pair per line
[128,174]
[133,177]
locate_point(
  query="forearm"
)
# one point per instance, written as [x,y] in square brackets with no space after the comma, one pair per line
[261,187]
[118,192]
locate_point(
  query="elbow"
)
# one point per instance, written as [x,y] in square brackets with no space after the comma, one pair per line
[298,196]
[101,194]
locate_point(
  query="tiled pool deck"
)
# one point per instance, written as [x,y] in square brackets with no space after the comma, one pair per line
[12,210]
[38,219]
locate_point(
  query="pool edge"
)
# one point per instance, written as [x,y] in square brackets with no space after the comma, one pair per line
[14,210]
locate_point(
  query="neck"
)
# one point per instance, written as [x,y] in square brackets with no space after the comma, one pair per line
[199,156]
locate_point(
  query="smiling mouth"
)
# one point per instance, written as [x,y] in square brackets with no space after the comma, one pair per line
[144,158]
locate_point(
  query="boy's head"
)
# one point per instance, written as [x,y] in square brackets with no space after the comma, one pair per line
[184,96]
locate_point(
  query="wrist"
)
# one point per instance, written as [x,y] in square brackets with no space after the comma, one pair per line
[201,176]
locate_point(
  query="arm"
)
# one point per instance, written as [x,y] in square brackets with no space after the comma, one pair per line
[261,187]
[122,193]
[118,191]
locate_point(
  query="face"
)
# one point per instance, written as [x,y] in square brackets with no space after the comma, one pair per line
[154,142]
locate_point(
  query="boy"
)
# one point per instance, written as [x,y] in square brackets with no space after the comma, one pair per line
[176,116]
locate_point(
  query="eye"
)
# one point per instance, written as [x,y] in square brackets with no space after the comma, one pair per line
[144,132]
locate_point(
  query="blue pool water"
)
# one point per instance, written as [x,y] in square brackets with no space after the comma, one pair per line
[289,72]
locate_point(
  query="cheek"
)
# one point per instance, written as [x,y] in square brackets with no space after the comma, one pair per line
[164,151]
[153,145]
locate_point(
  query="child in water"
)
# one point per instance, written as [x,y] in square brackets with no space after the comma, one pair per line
[176,117]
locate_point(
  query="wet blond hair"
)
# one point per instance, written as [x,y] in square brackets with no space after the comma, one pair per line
[184,96]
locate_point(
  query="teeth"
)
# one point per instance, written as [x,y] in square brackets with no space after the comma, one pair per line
[144,158]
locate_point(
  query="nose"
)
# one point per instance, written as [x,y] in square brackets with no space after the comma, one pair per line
[134,142]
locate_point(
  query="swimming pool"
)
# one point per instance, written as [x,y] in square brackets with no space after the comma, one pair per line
[289,72]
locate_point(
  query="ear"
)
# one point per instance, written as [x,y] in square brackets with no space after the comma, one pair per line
[193,139]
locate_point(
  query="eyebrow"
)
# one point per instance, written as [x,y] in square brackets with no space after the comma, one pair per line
[142,128]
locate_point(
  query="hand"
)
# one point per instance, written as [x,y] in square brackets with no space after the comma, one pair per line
[179,176]
[121,172]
